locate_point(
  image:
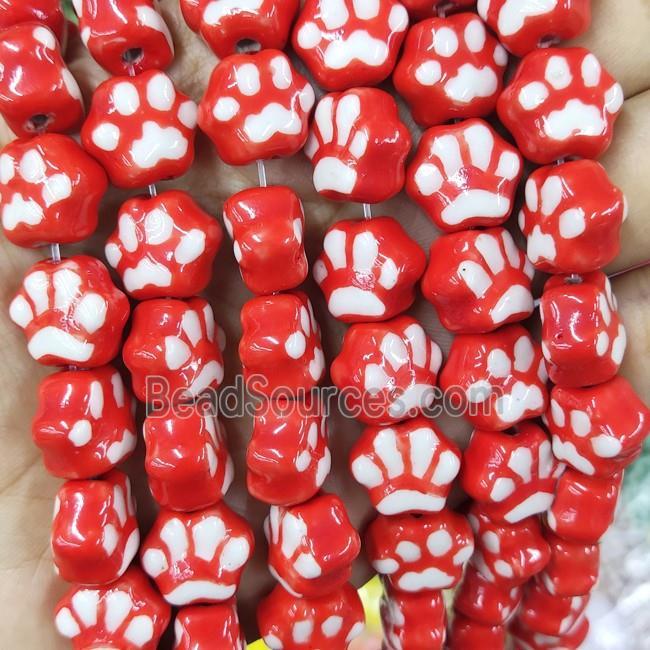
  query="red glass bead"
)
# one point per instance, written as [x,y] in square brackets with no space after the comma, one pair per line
[208,627]
[526,639]
[466,633]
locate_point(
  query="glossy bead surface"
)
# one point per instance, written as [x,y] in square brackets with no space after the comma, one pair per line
[417,554]
[478,281]
[256,106]
[358,146]
[466,633]
[409,467]
[572,217]
[526,639]
[197,557]
[163,246]
[387,370]
[71,312]
[420,9]
[266,225]
[47,12]
[50,191]
[346,43]
[368,269]
[291,623]
[287,457]
[37,91]
[84,422]
[129,614]
[311,546]
[208,627]
[141,129]
[451,68]
[592,432]
[464,175]
[94,531]
[498,379]
[561,103]
[122,35]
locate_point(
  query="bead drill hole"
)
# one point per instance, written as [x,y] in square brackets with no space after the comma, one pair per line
[574,278]
[38,122]
[248,45]
[133,56]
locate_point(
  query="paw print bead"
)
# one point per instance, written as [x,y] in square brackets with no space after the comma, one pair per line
[129,614]
[583,338]
[525,638]
[141,129]
[163,246]
[287,622]
[84,422]
[498,379]
[197,557]
[407,468]
[590,430]
[358,146]
[124,36]
[368,269]
[248,25]
[50,190]
[420,554]
[208,626]
[266,225]
[524,26]
[37,91]
[561,103]
[451,68]
[311,546]
[256,106]
[346,43]
[387,370]
[46,12]
[172,351]
[187,462]
[572,217]
[478,281]
[94,531]
[464,175]
[421,9]
[467,633]
[280,348]
[71,312]
[288,458]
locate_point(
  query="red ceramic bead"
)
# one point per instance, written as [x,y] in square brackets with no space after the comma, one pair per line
[464,175]
[208,627]
[256,106]
[124,36]
[141,129]
[347,43]
[466,633]
[478,280]
[280,348]
[420,9]
[358,146]
[187,463]
[572,217]
[51,189]
[512,475]
[368,269]
[37,91]
[129,614]
[526,639]
[94,531]
[287,457]
[584,506]
[163,246]
[413,621]
[311,546]
[229,27]
[583,338]
[420,553]
[197,557]
[266,225]
[172,351]
[387,371]
[524,26]
[409,467]
[287,622]
[47,12]
[561,103]
[84,423]
[498,379]
[592,432]
[451,68]
[71,312]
